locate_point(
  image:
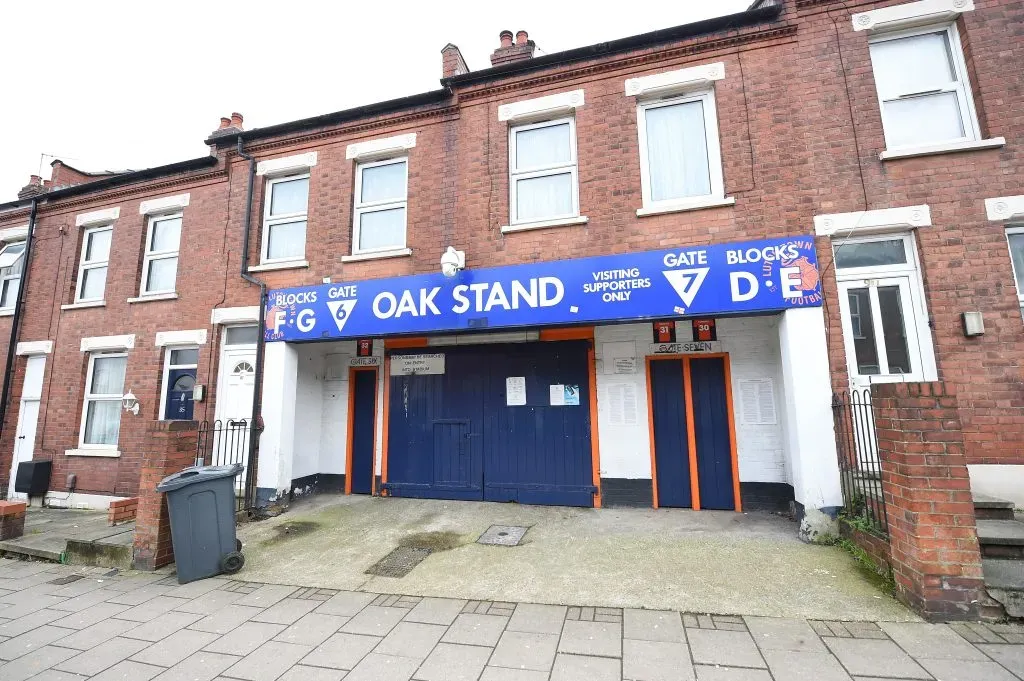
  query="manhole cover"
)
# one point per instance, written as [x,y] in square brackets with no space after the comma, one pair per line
[66,580]
[503,535]
[399,562]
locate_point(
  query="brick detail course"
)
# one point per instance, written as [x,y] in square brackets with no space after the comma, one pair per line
[934,551]
[122,510]
[12,519]
[171,447]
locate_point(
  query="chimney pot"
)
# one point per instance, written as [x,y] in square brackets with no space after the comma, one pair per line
[236,120]
[36,180]
[522,37]
[506,38]
[224,123]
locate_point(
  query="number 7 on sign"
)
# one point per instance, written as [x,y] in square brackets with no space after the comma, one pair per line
[340,311]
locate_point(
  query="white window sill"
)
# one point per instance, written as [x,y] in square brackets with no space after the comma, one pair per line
[945,148]
[100,451]
[544,224]
[378,255]
[7,313]
[286,265]
[680,206]
[82,306]
[153,296]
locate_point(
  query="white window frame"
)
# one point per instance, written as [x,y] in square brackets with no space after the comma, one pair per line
[886,275]
[558,169]
[168,367]
[151,255]
[84,265]
[965,98]
[100,397]
[711,139]
[375,206]
[12,277]
[1015,229]
[269,221]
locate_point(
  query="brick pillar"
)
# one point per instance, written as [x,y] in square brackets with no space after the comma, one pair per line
[171,446]
[936,559]
[12,519]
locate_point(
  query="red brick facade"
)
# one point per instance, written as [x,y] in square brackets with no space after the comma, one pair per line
[800,134]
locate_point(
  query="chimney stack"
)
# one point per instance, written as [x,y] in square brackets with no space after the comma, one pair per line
[452,63]
[521,50]
[33,188]
[229,126]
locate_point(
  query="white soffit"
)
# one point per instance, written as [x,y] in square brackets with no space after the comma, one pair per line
[235,315]
[188,337]
[97,217]
[19,233]
[1005,208]
[563,102]
[164,204]
[34,348]
[380,147]
[883,220]
[93,343]
[693,77]
[285,164]
[910,14]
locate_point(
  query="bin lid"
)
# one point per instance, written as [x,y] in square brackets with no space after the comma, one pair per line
[195,474]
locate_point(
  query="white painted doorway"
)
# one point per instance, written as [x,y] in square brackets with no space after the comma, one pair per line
[235,386]
[28,416]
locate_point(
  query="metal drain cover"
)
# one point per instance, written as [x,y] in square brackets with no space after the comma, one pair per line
[399,562]
[503,535]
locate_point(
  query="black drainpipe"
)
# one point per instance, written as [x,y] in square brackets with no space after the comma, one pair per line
[19,305]
[256,422]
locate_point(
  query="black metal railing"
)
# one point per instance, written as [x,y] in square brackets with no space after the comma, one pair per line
[223,443]
[859,468]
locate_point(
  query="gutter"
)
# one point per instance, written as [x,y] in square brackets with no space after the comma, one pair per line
[19,306]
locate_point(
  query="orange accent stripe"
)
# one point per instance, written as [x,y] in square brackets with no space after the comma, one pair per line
[384,437]
[595,445]
[650,430]
[394,343]
[732,436]
[691,437]
[351,428]
[575,333]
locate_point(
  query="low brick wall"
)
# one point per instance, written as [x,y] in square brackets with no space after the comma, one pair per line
[122,511]
[876,547]
[12,519]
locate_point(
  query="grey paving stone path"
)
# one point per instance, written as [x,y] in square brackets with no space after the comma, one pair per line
[65,623]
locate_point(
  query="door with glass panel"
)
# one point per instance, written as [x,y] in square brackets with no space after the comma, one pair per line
[235,388]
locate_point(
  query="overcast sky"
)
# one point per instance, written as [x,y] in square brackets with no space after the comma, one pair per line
[114,85]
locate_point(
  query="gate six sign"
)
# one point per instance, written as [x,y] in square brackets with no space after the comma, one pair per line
[740,278]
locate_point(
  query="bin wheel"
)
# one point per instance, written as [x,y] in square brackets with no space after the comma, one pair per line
[238,545]
[232,562]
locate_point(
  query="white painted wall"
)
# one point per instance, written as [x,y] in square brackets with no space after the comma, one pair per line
[626,443]
[1003,481]
[308,410]
[280,377]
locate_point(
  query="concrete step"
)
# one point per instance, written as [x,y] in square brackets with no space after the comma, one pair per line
[1001,539]
[1004,581]
[20,548]
[992,508]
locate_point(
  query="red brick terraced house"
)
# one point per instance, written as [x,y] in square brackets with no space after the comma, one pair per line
[630,273]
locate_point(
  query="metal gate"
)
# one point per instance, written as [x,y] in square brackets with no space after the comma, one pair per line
[224,443]
[859,468]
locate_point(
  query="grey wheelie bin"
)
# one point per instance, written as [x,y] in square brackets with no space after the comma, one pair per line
[201,505]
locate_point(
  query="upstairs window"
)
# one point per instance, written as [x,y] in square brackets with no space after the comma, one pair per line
[543,173]
[1015,238]
[160,264]
[381,201]
[11,264]
[92,267]
[284,219]
[923,88]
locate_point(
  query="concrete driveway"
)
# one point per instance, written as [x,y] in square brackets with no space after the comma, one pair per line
[706,561]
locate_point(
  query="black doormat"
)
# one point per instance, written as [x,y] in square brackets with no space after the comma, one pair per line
[399,562]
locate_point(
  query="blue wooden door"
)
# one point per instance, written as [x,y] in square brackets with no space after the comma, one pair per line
[181,383]
[671,448]
[364,389]
[712,432]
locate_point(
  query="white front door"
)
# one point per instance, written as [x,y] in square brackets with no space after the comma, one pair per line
[234,409]
[28,415]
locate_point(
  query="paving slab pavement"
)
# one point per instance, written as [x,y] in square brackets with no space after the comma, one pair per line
[335,635]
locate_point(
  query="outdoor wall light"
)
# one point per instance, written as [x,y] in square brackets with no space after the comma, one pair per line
[130,402]
[452,261]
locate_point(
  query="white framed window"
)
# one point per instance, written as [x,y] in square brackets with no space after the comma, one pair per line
[92,265]
[160,263]
[12,262]
[923,87]
[284,218]
[101,410]
[884,317]
[381,203]
[1015,241]
[543,177]
[680,156]
[181,365]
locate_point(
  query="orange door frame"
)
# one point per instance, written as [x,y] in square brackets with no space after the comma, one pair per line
[351,425]
[691,436]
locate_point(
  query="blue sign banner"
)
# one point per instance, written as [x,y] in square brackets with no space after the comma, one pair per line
[722,279]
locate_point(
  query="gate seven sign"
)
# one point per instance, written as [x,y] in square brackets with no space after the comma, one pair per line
[721,279]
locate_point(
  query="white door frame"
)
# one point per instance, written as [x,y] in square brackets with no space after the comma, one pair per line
[31,393]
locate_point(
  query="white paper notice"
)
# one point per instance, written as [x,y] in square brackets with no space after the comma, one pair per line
[557,392]
[515,391]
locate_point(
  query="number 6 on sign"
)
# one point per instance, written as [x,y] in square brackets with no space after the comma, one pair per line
[340,310]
